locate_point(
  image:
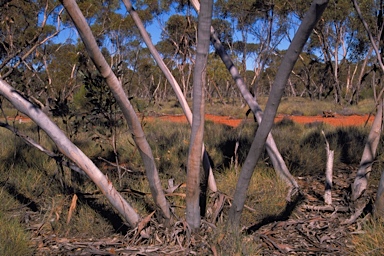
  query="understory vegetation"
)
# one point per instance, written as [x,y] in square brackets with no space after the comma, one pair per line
[38,193]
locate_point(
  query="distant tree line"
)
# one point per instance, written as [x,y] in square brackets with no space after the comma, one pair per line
[337,63]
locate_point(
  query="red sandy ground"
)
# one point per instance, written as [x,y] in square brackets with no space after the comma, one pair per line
[338,120]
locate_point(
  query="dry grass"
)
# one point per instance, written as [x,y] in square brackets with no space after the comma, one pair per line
[14,238]
[371,242]
[27,174]
[265,197]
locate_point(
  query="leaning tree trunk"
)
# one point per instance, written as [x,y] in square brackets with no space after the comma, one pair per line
[197,132]
[369,154]
[71,151]
[309,22]
[273,152]
[123,102]
[176,87]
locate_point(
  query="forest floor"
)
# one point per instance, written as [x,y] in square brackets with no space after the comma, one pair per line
[307,227]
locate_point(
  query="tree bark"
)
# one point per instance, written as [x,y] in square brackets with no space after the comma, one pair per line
[123,102]
[369,154]
[274,154]
[312,16]
[176,87]
[328,172]
[197,133]
[71,151]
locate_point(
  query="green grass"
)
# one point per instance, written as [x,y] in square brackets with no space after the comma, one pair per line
[14,238]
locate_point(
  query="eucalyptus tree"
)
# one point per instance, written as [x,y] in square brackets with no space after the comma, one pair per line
[22,31]
[276,158]
[255,21]
[309,22]
[361,53]
[368,157]
[219,83]
[208,179]
[70,150]
[123,102]
[180,33]
[342,44]
[197,132]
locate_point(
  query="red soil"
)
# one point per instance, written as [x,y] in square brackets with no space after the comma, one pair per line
[338,120]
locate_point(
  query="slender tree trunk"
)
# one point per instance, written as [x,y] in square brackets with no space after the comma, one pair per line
[123,102]
[71,151]
[197,133]
[309,22]
[369,154]
[176,87]
[276,158]
[328,172]
[356,90]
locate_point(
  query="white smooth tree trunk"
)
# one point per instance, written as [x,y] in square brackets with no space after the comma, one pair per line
[176,87]
[273,152]
[328,172]
[369,154]
[123,102]
[197,132]
[71,151]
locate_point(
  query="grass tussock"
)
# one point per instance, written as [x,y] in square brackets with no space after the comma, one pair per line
[265,197]
[305,154]
[371,241]
[14,238]
[234,243]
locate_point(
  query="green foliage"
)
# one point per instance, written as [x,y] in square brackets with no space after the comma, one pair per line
[79,98]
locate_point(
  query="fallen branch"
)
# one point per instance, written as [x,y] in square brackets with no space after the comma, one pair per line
[326,208]
[358,211]
[115,165]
